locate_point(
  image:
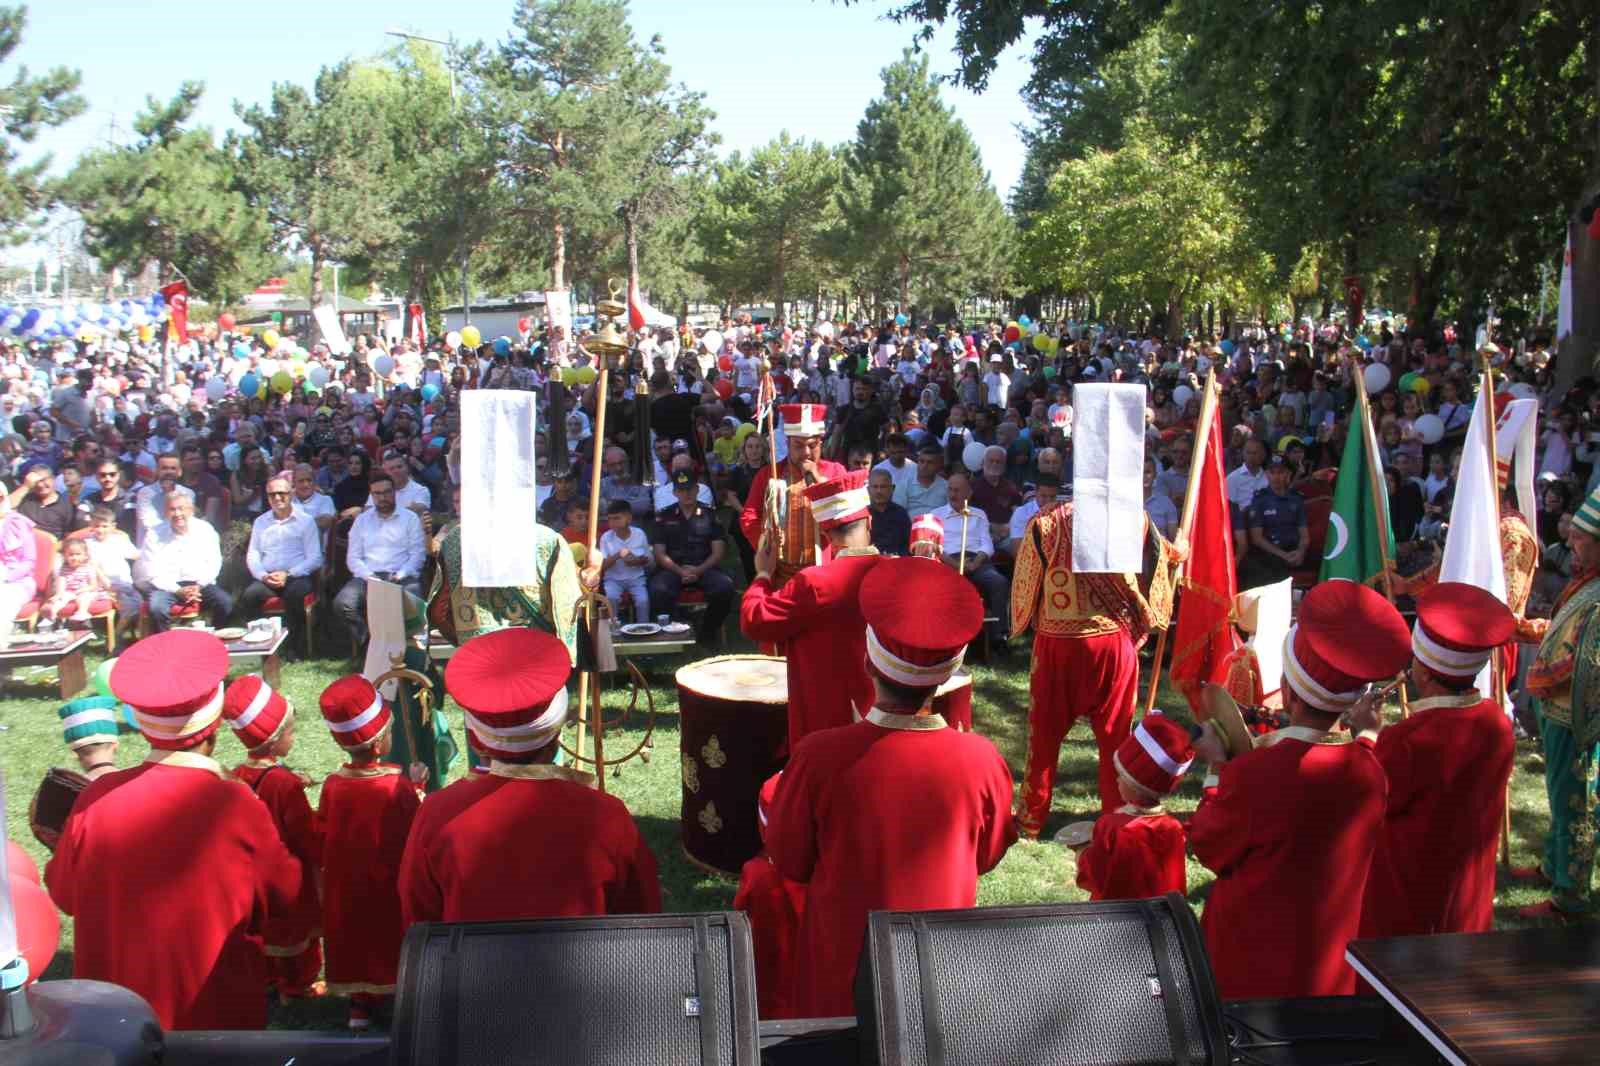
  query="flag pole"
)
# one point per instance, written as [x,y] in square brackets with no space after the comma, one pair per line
[1497,673]
[1380,505]
[1208,405]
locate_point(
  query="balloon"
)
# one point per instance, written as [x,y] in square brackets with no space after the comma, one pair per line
[1013,331]
[102,677]
[158,300]
[1049,373]
[1430,428]
[216,389]
[470,336]
[452,340]
[318,375]
[226,321]
[1406,380]
[569,375]
[725,364]
[502,346]
[20,864]
[1377,378]
[1227,347]
[901,320]
[91,312]
[38,925]
[284,345]
[430,392]
[524,324]
[266,367]
[297,369]
[1024,321]
[724,387]
[972,455]
[711,340]
[29,321]
[47,319]
[282,383]
[270,338]
[384,365]
[585,375]
[249,385]
[1182,395]
[13,322]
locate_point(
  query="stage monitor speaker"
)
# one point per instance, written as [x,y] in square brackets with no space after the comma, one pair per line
[674,990]
[1117,983]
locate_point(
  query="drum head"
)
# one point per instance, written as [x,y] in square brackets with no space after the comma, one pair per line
[959,679]
[738,679]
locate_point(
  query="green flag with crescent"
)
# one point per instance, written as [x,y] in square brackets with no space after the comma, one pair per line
[1360,536]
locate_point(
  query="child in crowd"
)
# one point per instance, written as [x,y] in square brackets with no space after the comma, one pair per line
[89,726]
[366,811]
[625,556]
[264,723]
[725,448]
[1137,851]
[77,587]
[113,552]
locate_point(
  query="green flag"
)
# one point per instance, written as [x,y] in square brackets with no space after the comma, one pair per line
[1359,533]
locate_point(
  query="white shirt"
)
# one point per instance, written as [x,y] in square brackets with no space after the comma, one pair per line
[1020,519]
[112,556]
[747,372]
[390,545]
[637,543]
[998,385]
[664,497]
[150,507]
[293,545]
[901,474]
[414,492]
[977,534]
[1243,486]
[168,559]
[317,506]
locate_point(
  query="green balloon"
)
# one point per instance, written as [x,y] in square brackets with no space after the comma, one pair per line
[102,677]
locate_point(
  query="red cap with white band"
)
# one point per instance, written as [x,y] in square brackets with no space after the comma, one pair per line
[355,713]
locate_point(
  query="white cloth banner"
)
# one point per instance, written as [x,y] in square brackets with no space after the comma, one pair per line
[332,331]
[386,621]
[1564,311]
[1274,608]
[558,310]
[1472,546]
[1108,479]
[499,499]
[1514,447]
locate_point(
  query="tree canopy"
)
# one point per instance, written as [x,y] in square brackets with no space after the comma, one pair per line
[28,105]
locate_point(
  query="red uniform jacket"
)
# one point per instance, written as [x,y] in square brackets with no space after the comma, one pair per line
[284,792]
[774,904]
[1433,871]
[892,813]
[366,814]
[755,503]
[169,870]
[525,841]
[815,622]
[1135,854]
[1289,831]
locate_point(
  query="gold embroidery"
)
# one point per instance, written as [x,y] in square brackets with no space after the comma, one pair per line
[691,774]
[710,821]
[713,754]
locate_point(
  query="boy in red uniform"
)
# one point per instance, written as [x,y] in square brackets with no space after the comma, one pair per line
[1447,765]
[264,723]
[1137,850]
[366,811]
[774,904]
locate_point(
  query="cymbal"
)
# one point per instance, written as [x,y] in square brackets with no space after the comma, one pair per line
[1219,707]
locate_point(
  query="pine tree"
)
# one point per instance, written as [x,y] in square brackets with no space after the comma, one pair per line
[27,106]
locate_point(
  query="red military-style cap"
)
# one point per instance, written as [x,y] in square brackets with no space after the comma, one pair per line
[255,711]
[1156,754]
[840,500]
[920,619]
[1458,627]
[355,713]
[173,682]
[1347,637]
[511,684]
[926,529]
[803,419]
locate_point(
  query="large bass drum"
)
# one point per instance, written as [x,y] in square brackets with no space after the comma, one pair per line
[47,815]
[733,727]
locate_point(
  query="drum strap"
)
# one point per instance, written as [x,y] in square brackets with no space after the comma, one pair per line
[705,990]
[97,766]
[1176,1035]
[928,985]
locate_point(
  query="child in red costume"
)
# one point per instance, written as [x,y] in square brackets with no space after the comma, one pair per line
[1137,850]
[774,904]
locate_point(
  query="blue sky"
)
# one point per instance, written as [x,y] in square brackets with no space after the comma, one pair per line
[809,66]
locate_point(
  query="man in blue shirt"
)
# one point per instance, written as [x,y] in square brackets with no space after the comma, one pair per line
[1279,536]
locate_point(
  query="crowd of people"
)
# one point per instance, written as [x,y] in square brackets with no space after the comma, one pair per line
[868,502]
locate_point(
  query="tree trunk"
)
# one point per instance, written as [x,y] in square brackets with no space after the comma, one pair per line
[1174,318]
[905,281]
[558,256]
[1425,282]
[318,259]
[781,279]
[1578,350]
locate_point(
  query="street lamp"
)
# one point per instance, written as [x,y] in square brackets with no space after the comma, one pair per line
[461,210]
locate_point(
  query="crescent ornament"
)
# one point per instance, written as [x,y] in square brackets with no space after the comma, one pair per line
[1341,537]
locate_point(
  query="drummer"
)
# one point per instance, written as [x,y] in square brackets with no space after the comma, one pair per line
[815,620]
[852,820]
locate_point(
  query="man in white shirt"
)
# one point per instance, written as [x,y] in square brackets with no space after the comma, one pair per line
[1250,478]
[180,559]
[150,502]
[898,446]
[409,494]
[968,527]
[285,551]
[386,542]
[307,501]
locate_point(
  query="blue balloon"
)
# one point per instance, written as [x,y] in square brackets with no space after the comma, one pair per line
[438,442]
[1024,321]
[502,346]
[13,322]
[249,385]
[1227,347]
[241,350]
[901,320]
[430,392]
[29,320]
[157,300]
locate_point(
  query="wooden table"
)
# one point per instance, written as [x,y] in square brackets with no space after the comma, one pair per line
[242,651]
[1530,997]
[66,657]
[660,644]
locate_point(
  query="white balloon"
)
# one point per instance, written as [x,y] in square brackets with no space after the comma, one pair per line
[825,330]
[1430,428]
[267,367]
[711,340]
[384,365]
[972,455]
[1182,395]
[318,375]
[452,340]
[216,389]
[1377,377]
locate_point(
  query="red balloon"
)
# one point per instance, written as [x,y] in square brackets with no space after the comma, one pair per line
[38,925]
[20,863]
[226,321]
[725,364]
[523,323]
[1594,227]
[724,387]
[1012,333]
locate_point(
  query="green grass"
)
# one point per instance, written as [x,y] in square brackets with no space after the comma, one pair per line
[30,743]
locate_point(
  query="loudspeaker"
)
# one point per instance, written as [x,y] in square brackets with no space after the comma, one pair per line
[1110,984]
[649,989]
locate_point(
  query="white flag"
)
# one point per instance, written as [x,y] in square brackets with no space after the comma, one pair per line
[1564,316]
[499,498]
[1108,518]
[1472,546]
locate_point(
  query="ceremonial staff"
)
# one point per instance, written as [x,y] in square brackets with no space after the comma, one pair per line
[1380,501]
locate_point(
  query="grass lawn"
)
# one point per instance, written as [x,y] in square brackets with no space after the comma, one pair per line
[30,743]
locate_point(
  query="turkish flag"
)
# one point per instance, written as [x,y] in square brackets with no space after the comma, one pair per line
[177,297]
[419,326]
[1204,637]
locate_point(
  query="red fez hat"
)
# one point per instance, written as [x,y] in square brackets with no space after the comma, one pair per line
[1458,628]
[511,684]
[254,711]
[173,682]
[803,419]
[355,713]
[1156,754]
[1347,637]
[926,529]
[840,500]
[920,619]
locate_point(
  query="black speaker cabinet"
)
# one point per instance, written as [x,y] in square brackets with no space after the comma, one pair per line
[1117,983]
[664,990]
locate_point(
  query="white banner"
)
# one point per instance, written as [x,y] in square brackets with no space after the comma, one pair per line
[1108,479]
[1564,315]
[332,332]
[558,310]
[498,496]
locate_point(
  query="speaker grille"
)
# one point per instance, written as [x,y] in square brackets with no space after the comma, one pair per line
[611,998]
[1077,992]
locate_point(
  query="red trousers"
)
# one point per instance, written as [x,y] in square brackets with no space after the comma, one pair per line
[1074,676]
[292,975]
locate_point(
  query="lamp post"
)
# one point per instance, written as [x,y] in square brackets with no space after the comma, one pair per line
[461,211]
